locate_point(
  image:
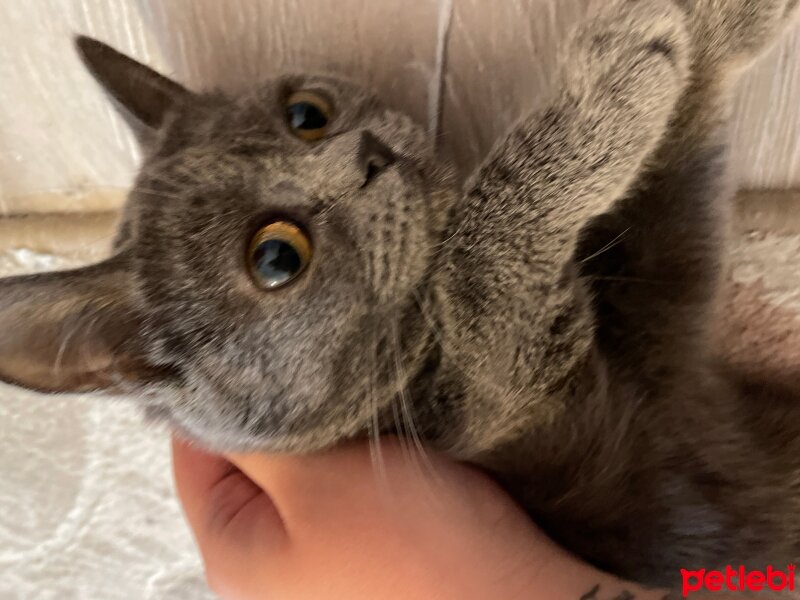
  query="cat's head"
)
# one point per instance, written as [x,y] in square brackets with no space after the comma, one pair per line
[263,291]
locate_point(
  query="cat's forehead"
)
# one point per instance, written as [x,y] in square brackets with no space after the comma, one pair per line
[242,145]
[222,138]
[260,113]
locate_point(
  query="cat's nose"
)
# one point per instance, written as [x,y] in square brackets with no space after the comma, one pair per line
[352,159]
[372,156]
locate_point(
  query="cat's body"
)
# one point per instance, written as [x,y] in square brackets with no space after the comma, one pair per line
[553,324]
[653,456]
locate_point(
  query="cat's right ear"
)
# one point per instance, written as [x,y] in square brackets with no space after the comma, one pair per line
[144,97]
[74,331]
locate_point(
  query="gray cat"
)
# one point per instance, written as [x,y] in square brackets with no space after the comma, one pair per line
[293,269]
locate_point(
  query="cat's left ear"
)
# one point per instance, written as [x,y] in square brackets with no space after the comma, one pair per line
[73,331]
[144,96]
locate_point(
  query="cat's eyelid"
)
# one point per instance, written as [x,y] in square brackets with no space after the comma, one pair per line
[320,93]
[326,92]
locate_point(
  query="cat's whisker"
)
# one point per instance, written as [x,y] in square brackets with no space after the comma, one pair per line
[408,416]
[247,410]
[472,373]
[440,246]
[616,241]
[375,451]
[399,429]
[399,426]
[402,417]
[627,280]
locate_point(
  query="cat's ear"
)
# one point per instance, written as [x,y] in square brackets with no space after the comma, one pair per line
[144,96]
[71,331]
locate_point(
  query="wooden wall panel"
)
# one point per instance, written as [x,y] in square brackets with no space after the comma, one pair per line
[62,148]
[500,60]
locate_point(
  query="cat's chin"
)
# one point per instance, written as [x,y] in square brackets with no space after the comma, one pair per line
[158,414]
[221,441]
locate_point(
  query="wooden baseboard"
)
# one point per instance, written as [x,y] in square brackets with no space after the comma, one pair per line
[768,210]
[62,234]
[90,233]
[97,199]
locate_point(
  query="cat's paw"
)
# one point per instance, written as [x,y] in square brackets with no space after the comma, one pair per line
[630,51]
[732,33]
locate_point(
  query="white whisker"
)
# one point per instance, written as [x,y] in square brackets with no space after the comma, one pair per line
[408,417]
[607,247]
[375,451]
[472,373]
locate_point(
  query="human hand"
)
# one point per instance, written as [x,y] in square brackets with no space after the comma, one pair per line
[339,526]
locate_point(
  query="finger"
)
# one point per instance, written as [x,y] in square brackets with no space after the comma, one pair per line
[301,475]
[350,461]
[218,498]
[324,484]
[233,520]
[196,473]
[294,483]
[276,471]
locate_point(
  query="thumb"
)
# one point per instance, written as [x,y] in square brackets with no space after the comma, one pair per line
[234,521]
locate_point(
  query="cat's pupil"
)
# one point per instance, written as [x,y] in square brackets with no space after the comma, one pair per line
[305,115]
[276,261]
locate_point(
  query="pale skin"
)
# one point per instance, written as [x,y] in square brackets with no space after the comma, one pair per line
[348,524]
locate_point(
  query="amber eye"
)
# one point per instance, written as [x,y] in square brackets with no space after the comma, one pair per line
[308,115]
[278,254]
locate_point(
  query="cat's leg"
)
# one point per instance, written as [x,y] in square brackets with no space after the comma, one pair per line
[656,260]
[515,322]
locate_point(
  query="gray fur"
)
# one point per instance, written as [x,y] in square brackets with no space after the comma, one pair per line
[551,323]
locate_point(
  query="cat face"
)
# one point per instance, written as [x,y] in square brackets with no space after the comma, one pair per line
[264,287]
